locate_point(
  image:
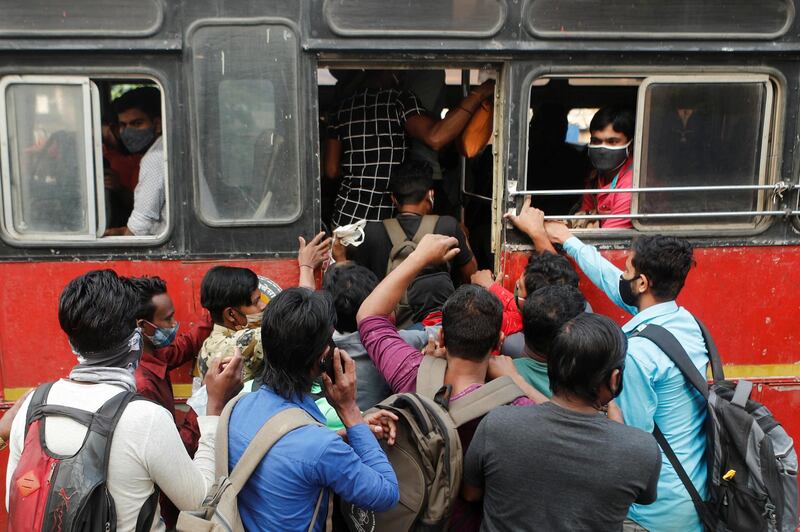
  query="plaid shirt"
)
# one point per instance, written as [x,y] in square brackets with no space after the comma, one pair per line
[371,126]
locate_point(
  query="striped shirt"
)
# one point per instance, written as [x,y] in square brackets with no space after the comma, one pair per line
[148,217]
[371,127]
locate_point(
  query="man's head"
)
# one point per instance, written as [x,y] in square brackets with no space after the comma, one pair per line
[428,293]
[349,285]
[230,294]
[611,131]
[411,184]
[545,311]
[97,311]
[655,270]
[296,331]
[546,269]
[587,357]
[139,118]
[155,315]
[471,321]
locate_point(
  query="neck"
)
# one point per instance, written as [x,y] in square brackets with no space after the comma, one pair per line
[530,353]
[576,405]
[416,208]
[462,373]
[646,301]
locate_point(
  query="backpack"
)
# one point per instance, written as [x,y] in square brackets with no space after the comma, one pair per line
[220,511]
[427,456]
[69,493]
[402,247]
[752,464]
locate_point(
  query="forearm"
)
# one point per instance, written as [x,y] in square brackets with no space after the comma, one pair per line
[598,269]
[447,129]
[386,296]
[307,279]
[541,243]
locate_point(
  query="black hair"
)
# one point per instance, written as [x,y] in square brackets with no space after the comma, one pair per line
[583,354]
[98,310]
[145,99]
[295,330]
[411,181]
[349,284]
[545,311]
[226,286]
[147,288]
[620,119]
[665,261]
[546,269]
[471,320]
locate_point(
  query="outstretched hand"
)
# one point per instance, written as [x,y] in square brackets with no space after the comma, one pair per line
[530,220]
[314,253]
[436,249]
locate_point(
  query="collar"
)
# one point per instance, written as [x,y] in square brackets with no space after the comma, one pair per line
[153,364]
[306,402]
[221,329]
[649,314]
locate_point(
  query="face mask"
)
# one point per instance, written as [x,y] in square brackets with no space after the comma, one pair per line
[136,140]
[626,291]
[254,320]
[606,158]
[163,336]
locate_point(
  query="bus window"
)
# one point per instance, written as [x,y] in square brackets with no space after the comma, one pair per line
[49,185]
[246,107]
[703,131]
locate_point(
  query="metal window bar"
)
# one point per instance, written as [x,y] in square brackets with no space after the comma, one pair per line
[641,216]
[778,188]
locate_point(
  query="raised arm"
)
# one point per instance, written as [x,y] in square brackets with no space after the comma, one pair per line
[530,221]
[310,257]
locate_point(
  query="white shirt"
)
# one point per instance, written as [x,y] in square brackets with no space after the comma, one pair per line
[145,450]
[148,216]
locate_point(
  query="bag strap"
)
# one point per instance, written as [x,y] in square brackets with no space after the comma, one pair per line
[426,226]
[38,399]
[717,373]
[430,375]
[395,231]
[268,435]
[480,402]
[221,443]
[671,347]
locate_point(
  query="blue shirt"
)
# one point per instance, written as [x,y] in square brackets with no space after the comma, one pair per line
[282,492]
[655,391]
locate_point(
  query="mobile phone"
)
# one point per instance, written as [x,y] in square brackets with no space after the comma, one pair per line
[328,362]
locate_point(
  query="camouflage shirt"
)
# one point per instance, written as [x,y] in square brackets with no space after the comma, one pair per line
[221,343]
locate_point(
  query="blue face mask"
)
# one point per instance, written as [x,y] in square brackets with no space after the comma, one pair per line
[163,336]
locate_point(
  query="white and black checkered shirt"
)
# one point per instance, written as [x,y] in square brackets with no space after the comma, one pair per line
[371,127]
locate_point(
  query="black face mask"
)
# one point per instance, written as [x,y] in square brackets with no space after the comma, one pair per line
[607,159]
[626,291]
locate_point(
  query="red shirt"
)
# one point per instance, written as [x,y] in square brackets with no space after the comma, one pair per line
[613,203]
[512,318]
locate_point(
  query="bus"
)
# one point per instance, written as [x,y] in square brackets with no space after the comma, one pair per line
[247,89]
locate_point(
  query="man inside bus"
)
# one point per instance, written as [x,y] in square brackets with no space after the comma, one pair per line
[139,116]
[655,390]
[367,140]
[610,152]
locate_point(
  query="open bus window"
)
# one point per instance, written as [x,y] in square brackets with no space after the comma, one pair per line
[246,104]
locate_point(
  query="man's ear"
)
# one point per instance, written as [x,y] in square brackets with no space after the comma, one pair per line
[394,200]
[142,324]
[614,381]
[229,315]
[645,283]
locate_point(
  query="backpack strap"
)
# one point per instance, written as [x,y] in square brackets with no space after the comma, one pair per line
[671,347]
[430,376]
[717,373]
[38,400]
[742,393]
[426,227]
[221,441]
[480,402]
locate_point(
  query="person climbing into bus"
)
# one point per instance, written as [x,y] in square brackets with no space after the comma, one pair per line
[140,127]
[584,468]
[655,389]
[97,312]
[611,154]
[367,140]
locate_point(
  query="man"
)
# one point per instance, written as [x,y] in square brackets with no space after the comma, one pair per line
[284,489]
[584,469]
[545,311]
[139,118]
[655,390]
[97,312]
[470,331]
[611,156]
[367,141]
[412,192]
[232,297]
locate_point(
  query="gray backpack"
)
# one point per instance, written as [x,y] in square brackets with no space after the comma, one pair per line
[427,456]
[220,512]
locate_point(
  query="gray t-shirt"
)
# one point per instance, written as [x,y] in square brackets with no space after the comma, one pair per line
[548,468]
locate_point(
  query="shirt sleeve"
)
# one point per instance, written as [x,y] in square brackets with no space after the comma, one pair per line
[650,492]
[598,269]
[476,456]
[148,196]
[189,431]
[638,400]
[512,319]
[397,361]
[186,345]
[360,473]
[408,105]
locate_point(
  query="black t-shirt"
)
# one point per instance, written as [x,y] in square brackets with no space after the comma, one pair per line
[374,252]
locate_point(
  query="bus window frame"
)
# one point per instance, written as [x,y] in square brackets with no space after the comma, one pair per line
[97,241]
[302,167]
[773,147]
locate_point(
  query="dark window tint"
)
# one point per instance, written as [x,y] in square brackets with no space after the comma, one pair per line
[656,18]
[87,17]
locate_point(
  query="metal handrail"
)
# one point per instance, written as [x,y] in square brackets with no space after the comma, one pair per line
[655,215]
[778,188]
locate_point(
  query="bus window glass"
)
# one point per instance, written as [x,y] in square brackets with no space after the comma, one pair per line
[702,134]
[46,187]
[92,18]
[467,18]
[730,19]
[245,98]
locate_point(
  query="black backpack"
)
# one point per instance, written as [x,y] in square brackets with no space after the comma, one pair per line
[752,464]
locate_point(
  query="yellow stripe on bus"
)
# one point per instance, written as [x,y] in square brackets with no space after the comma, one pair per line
[732,371]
